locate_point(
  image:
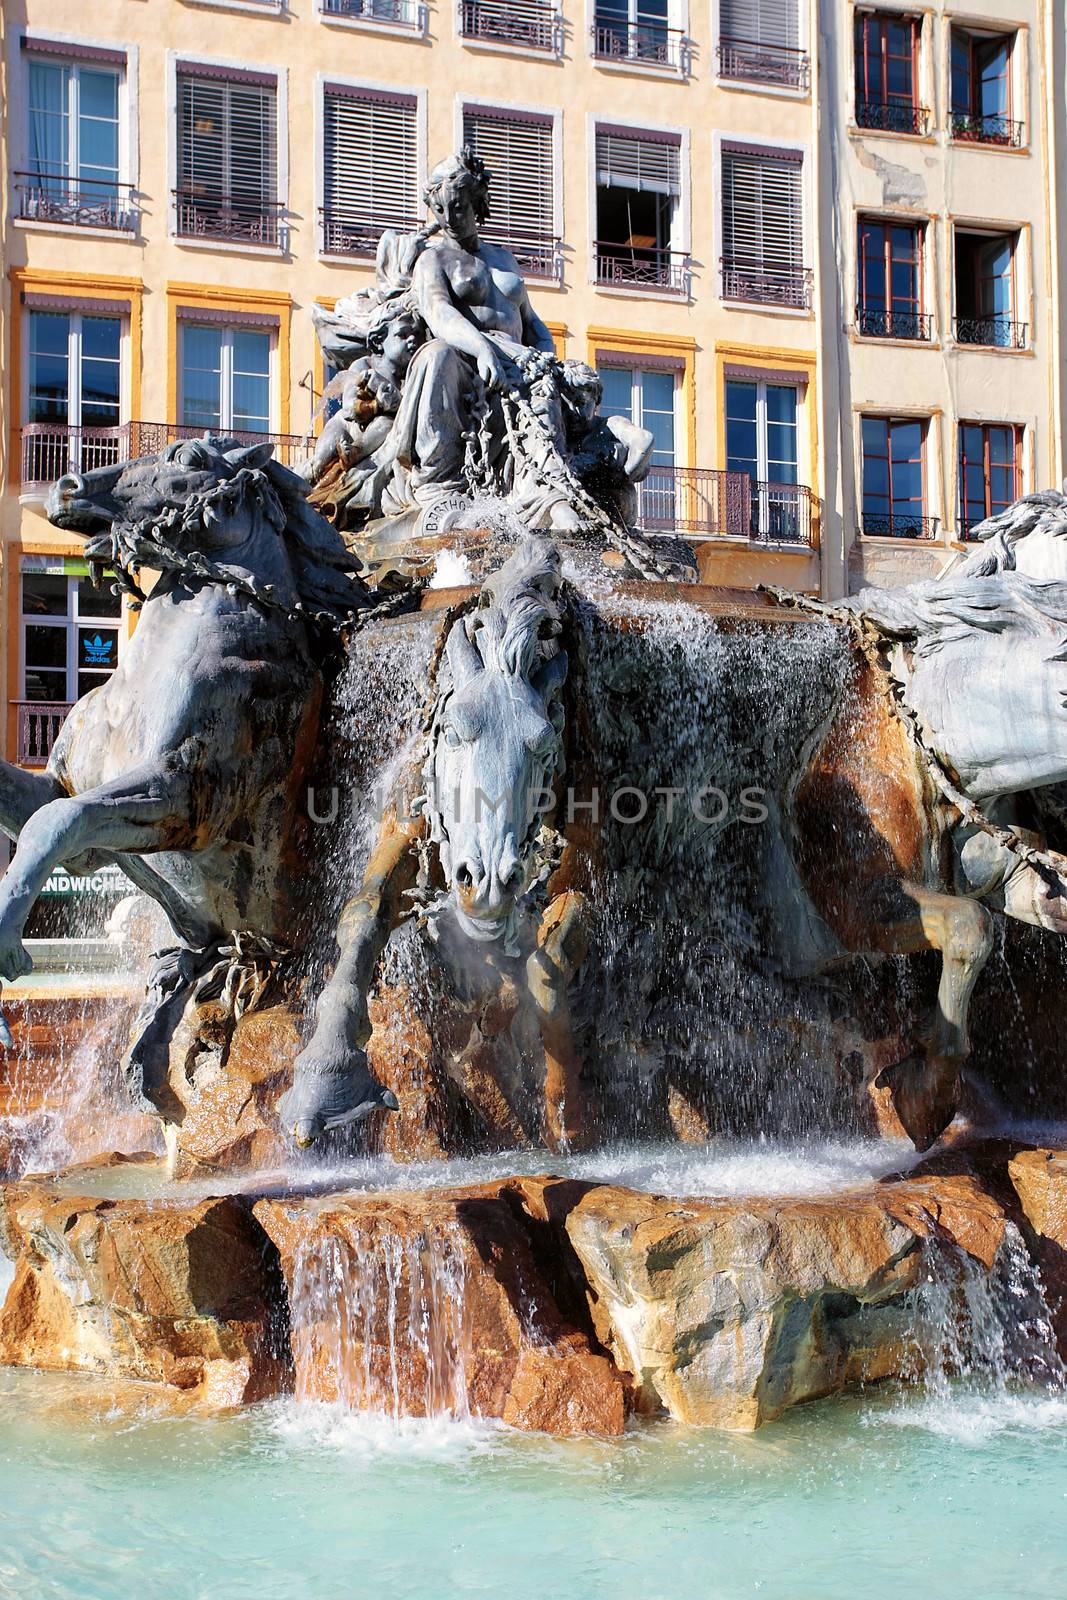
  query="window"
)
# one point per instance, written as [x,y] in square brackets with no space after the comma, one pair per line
[759,42]
[639,31]
[400,13]
[72,403]
[73,143]
[894,487]
[517,148]
[530,24]
[887,73]
[70,630]
[985,290]
[763,226]
[988,471]
[370,168]
[227,157]
[647,397]
[982,88]
[225,378]
[761,441]
[891,281]
[638,189]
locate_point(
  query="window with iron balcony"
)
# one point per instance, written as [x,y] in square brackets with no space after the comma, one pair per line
[887,57]
[894,479]
[985,284]
[74,98]
[386,13]
[890,268]
[640,32]
[638,197]
[759,43]
[990,478]
[370,167]
[763,226]
[516,146]
[983,90]
[227,156]
[524,24]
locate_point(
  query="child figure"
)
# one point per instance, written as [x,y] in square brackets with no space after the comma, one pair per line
[370,394]
[610,454]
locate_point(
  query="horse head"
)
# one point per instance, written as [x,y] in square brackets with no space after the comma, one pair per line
[496,739]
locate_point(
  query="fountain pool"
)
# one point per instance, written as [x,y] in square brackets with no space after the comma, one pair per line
[961,1492]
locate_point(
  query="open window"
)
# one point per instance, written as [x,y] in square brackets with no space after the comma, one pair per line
[638,198]
[986,266]
[982,82]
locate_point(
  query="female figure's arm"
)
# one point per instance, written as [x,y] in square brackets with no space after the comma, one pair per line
[446,321]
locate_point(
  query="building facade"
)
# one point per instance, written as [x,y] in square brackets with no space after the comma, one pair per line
[813,248]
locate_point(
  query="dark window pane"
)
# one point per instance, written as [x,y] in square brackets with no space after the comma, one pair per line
[42,685]
[98,602]
[45,647]
[44,594]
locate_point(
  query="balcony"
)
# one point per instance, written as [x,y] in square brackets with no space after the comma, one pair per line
[877,323]
[648,44]
[39,722]
[393,13]
[76,202]
[777,66]
[529,27]
[891,116]
[539,255]
[624,266]
[765,285]
[995,333]
[890,525]
[974,128]
[49,450]
[706,503]
[231,221]
[352,233]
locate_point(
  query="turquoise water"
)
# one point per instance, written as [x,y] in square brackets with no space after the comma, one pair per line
[890,1495]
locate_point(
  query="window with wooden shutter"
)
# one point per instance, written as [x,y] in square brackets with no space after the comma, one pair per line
[759,40]
[638,177]
[517,148]
[370,167]
[228,156]
[763,226]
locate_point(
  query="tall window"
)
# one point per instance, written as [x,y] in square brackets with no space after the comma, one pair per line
[985,290]
[763,226]
[887,72]
[370,167]
[73,393]
[890,280]
[227,157]
[517,148]
[982,88]
[988,471]
[225,378]
[73,144]
[894,481]
[761,441]
[636,30]
[638,189]
[647,397]
[759,41]
[70,631]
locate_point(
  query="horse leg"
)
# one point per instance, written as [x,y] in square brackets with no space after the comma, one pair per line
[925,1086]
[22,793]
[148,809]
[562,944]
[332,1082]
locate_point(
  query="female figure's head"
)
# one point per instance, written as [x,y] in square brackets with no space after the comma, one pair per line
[458,195]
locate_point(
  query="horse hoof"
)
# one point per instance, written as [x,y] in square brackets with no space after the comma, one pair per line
[925,1095]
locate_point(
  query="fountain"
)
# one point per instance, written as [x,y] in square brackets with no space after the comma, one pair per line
[570,971]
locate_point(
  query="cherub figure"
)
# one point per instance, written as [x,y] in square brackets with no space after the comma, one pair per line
[370,392]
[609,454]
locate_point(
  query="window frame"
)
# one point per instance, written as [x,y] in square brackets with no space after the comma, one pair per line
[227,329]
[797,297]
[72,622]
[916,308]
[337,85]
[1017,431]
[889,421]
[861,80]
[546,115]
[78,53]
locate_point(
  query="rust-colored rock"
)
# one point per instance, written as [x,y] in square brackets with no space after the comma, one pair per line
[417,1303]
[1039,1178]
[184,1296]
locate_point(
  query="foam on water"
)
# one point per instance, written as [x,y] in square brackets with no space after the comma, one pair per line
[369,1436]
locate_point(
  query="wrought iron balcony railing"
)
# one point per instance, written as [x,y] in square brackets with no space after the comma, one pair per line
[777,65]
[77,202]
[976,128]
[624,266]
[767,285]
[538,254]
[998,333]
[892,116]
[531,27]
[353,233]
[965,529]
[233,221]
[707,502]
[395,13]
[881,323]
[646,43]
[37,729]
[49,450]
[898,525]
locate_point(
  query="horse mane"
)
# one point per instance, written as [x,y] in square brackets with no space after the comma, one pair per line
[997,536]
[517,618]
[944,610]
